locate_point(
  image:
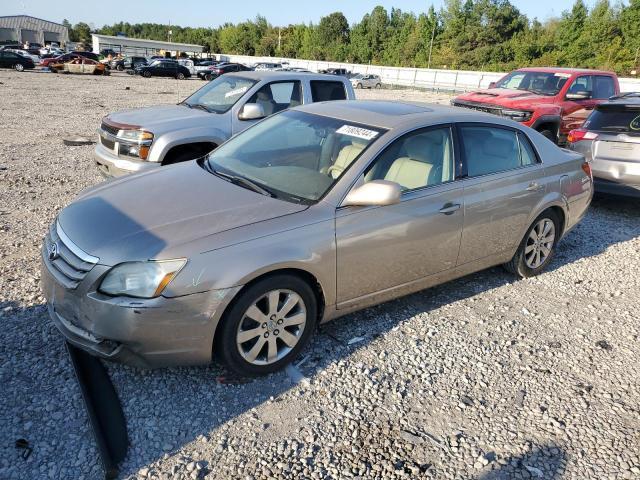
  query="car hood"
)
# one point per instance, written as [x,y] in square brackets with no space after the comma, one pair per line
[161,116]
[156,215]
[504,97]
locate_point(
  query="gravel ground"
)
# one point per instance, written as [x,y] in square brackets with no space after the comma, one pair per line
[485,377]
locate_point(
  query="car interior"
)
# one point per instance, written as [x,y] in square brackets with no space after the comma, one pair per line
[490,150]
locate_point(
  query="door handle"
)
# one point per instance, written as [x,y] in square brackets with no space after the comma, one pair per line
[449,208]
[534,187]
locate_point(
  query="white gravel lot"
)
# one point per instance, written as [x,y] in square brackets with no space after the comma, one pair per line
[485,377]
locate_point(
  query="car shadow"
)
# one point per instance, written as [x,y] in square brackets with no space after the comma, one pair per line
[546,462]
[155,402]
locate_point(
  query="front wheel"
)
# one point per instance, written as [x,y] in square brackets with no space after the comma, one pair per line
[359,85]
[378,85]
[208,77]
[267,326]
[537,247]
[550,135]
[146,74]
[18,67]
[180,76]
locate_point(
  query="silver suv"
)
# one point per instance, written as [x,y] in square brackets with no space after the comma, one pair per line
[145,138]
[610,140]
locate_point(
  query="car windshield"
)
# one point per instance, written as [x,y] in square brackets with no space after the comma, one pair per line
[293,155]
[221,94]
[542,83]
[155,63]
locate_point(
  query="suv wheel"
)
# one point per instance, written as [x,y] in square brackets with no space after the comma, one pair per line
[180,76]
[120,67]
[550,135]
[537,247]
[267,326]
[18,67]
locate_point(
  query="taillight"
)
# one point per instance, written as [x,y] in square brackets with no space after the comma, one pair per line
[580,134]
[586,168]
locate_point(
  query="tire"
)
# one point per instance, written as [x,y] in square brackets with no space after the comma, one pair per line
[146,74]
[120,67]
[208,77]
[18,67]
[550,135]
[359,86]
[524,262]
[267,332]
[180,76]
[378,85]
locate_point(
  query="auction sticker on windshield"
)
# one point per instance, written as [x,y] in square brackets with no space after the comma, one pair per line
[357,132]
[237,91]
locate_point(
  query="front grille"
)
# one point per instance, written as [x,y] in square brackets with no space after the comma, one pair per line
[109,129]
[110,144]
[68,263]
[479,107]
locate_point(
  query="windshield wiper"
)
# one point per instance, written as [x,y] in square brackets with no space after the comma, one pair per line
[200,106]
[242,181]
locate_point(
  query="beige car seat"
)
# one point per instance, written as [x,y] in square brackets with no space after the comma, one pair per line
[413,170]
[347,155]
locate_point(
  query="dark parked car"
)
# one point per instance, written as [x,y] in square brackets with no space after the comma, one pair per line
[610,140]
[127,62]
[163,68]
[15,61]
[221,69]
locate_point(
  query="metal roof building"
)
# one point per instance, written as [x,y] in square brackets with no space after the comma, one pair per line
[23,28]
[140,46]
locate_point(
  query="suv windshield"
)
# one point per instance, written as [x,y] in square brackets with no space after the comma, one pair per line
[221,94]
[294,155]
[543,83]
[615,118]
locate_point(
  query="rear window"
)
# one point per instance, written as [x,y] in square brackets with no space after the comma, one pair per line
[615,118]
[322,91]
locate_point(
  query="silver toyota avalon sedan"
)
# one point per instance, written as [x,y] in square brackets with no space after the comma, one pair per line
[311,214]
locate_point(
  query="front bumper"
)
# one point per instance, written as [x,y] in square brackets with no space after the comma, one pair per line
[112,166]
[145,333]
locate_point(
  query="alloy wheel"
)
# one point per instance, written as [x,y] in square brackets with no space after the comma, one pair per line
[539,243]
[19,67]
[271,327]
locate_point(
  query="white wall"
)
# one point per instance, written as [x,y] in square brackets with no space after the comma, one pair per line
[453,80]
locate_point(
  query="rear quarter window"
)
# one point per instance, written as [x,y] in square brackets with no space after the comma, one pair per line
[322,91]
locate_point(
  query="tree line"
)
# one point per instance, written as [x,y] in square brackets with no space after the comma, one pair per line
[463,34]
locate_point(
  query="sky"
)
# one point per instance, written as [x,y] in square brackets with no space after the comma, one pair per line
[203,13]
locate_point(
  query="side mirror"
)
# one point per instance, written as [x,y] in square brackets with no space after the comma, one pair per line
[375,193]
[581,95]
[252,111]
[492,85]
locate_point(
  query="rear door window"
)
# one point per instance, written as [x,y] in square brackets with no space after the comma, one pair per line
[603,87]
[322,91]
[490,150]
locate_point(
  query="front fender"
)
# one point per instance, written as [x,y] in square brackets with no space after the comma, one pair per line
[165,142]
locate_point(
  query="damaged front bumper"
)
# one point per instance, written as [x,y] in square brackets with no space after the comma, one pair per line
[145,333]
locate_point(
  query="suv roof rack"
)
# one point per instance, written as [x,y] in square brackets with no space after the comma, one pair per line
[625,95]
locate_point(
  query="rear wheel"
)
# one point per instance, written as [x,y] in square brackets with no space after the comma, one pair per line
[359,85]
[208,77]
[180,76]
[537,247]
[18,67]
[267,326]
[378,85]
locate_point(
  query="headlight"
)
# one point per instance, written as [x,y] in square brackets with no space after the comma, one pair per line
[140,279]
[135,135]
[517,115]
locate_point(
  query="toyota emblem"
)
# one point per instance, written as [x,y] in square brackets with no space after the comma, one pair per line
[53,251]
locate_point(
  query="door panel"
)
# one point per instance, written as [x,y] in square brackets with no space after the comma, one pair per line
[497,208]
[383,247]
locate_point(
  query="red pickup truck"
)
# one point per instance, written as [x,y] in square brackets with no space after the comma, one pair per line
[552,101]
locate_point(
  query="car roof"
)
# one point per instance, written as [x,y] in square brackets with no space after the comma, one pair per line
[389,115]
[629,98]
[285,75]
[564,70]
